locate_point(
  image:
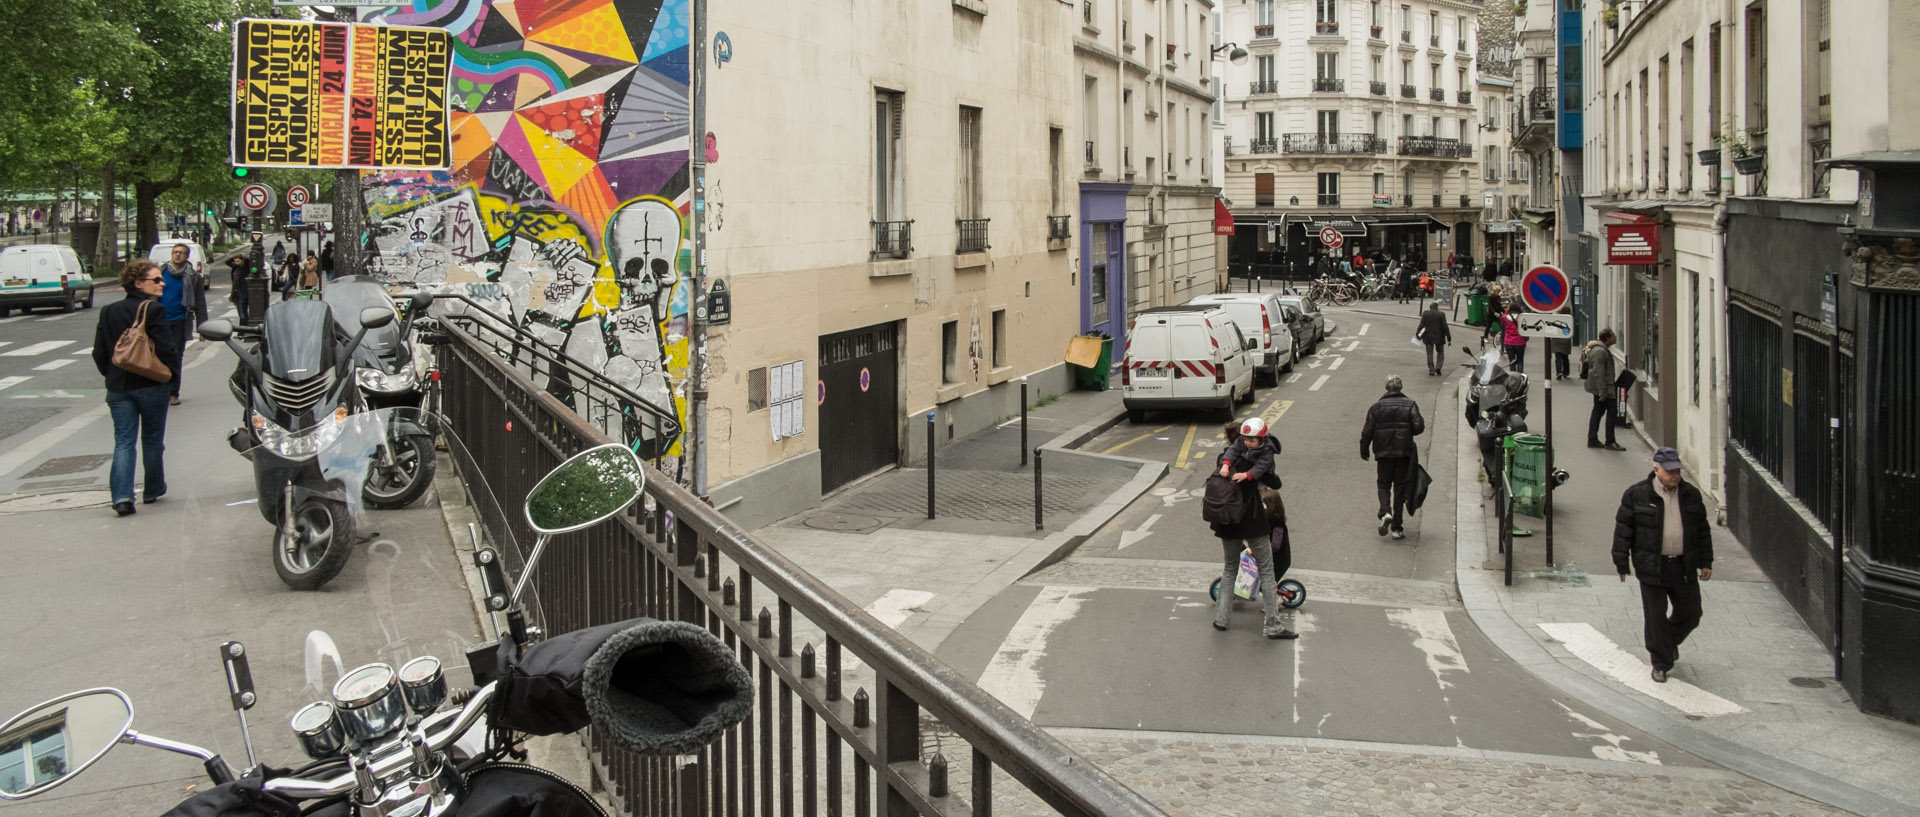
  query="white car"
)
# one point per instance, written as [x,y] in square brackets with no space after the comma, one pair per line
[1263,317]
[162,254]
[1186,357]
[43,275]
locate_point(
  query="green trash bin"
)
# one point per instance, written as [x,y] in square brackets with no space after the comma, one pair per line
[1096,376]
[1476,308]
[1529,473]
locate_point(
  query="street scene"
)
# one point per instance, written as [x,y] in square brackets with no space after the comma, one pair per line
[660,407]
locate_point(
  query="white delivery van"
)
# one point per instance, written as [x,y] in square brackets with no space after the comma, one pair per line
[42,275]
[1261,316]
[1186,357]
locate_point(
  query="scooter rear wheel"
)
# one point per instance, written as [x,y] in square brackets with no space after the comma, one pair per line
[395,486]
[318,549]
[1292,593]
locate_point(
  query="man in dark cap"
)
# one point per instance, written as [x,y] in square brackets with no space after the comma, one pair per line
[1661,532]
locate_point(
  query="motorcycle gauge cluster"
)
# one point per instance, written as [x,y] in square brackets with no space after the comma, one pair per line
[423,685]
[319,732]
[370,703]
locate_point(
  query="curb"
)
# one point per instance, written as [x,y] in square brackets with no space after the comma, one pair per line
[1480,592]
[1061,545]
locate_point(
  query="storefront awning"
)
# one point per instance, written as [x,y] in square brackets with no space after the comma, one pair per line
[1537,220]
[1347,225]
[1222,218]
[1409,220]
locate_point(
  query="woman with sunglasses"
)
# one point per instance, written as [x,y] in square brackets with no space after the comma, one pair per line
[138,404]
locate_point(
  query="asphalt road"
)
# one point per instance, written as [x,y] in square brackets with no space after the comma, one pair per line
[1118,636]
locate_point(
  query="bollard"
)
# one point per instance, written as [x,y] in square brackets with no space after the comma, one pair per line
[1546,359]
[1039,520]
[929,465]
[1023,421]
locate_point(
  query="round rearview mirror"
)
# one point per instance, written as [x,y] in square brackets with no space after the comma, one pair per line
[50,743]
[374,317]
[592,486]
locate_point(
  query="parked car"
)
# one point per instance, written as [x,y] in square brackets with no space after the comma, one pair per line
[1307,307]
[1186,357]
[1261,316]
[43,275]
[162,254]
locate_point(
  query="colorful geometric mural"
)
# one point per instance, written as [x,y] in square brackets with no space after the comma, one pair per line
[567,201]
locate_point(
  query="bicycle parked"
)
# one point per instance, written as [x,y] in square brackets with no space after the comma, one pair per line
[1328,289]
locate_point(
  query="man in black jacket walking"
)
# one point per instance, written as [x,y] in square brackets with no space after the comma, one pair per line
[1392,423]
[1661,532]
[1436,335]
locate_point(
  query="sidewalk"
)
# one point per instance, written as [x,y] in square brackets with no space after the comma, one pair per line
[1754,689]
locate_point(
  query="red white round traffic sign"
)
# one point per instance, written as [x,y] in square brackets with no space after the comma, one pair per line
[296,196]
[1331,237]
[256,197]
[1544,288]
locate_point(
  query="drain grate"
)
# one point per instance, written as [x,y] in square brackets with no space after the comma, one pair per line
[62,466]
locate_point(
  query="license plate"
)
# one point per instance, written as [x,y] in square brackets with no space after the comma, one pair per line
[16,282]
[1152,371]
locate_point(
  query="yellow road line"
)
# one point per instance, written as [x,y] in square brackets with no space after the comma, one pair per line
[1185,445]
[1275,411]
[1136,439]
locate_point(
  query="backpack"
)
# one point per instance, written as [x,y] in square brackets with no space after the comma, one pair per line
[1222,503]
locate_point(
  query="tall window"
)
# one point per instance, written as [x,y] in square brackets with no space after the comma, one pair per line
[1406,125]
[888,196]
[1406,19]
[1378,72]
[1265,64]
[1433,76]
[1126,129]
[1326,65]
[1756,68]
[1057,184]
[1263,12]
[35,758]
[950,352]
[1406,72]
[1406,181]
[1693,321]
[1326,11]
[1376,125]
[1090,117]
[1329,122]
[1466,135]
[1373,14]
[1097,270]
[967,199]
[1433,26]
[1379,183]
[1263,189]
[1263,125]
[999,338]
[1329,189]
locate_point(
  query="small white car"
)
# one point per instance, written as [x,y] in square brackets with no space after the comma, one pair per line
[162,254]
[1186,357]
[1261,316]
[43,275]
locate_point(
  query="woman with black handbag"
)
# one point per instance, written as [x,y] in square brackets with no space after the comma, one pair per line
[135,351]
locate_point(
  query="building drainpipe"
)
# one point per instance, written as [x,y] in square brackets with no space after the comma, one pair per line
[697,145]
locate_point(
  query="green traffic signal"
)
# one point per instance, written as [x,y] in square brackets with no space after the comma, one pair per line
[241,172]
[209,212]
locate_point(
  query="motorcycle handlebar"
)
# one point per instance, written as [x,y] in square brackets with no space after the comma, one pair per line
[396,756]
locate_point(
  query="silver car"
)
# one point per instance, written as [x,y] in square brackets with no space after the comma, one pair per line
[1316,320]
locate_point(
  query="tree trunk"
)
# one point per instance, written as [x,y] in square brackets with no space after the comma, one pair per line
[106,250]
[349,223]
[146,195]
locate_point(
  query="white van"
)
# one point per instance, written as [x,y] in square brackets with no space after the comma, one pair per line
[1261,316]
[42,275]
[1186,357]
[162,254]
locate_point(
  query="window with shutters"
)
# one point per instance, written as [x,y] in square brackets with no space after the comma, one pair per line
[888,195]
[1263,189]
[969,212]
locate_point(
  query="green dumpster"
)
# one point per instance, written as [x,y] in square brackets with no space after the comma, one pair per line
[1529,473]
[1476,307]
[1091,357]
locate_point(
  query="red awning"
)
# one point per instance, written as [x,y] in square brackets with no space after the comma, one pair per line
[1631,218]
[1222,218]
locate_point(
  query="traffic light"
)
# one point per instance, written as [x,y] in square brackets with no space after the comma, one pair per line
[242,172]
[209,212]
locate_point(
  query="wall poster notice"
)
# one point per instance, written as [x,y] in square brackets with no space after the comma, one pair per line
[333,95]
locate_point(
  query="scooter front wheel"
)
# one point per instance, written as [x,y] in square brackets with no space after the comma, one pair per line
[313,546]
[1292,593]
[396,484]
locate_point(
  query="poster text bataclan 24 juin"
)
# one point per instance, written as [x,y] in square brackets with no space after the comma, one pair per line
[340,95]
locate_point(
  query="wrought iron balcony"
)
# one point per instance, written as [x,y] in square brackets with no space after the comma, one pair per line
[973,234]
[1540,104]
[1264,86]
[1406,36]
[1059,227]
[1264,146]
[1466,97]
[1466,200]
[1329,85]
[1263,31]
[1437,94]
[1337,143]
[1436,199]
[1329,200]
[1326,27]
[892,239]
[1375,31]
[1408,92]
[1089,151]
[1820,146]
[1460,46]
[1433,41]
[1377,88]
[1407,200]
[1433,146]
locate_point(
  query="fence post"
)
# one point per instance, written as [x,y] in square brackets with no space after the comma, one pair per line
[1023,420]
[929,465]
[1039,518]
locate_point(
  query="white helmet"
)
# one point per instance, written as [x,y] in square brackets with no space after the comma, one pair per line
[1255,427]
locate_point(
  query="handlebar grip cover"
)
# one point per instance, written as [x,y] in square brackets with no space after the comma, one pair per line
[652,687]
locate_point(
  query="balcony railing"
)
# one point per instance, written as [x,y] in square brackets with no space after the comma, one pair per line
[892,239]
[1406,200]
[1375,31]
[1326,27]
[1059,227]
[1434,146]
[1436,199]
[1340,143]
[1540,104]
[1089,151]
[1263,31]
[1264,146]
[1437,94]
[1408,92]
[1329,85]
[1377,88]
[1466,97]
[1406,36]
[973,234]
[1329,200]
[1433,41]
[1460,46]
[1493,123]
[1466,200]
[1264,86]
[1820,146]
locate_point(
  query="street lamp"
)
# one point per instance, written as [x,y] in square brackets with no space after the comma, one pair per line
[1238,56]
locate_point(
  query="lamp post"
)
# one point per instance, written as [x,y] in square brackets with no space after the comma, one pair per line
[1238,56]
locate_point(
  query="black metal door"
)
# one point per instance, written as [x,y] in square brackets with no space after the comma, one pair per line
[860,413]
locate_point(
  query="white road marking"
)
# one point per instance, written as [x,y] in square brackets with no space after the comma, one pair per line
[1363,328]
[6,343]
[1128,537]
[1589,645]
[10,382]
[53,364]
[1013,675]
[52,318]
[1611,751]
[1432,636]
[1293,378]
[1336,363]
[30,449]
[40,348]
[1352,346]
[1321,382]
[1305,625]
[898,605]
[84,352]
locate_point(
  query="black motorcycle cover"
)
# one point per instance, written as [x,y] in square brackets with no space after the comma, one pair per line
[653,687]
[513,790]
[241,798]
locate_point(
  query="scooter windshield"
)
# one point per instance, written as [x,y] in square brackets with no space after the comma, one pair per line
[381,459]
[348,297]
[1488,368]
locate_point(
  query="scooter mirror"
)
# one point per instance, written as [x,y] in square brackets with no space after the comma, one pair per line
[374,317]
[592,486]
[216,330]
[419,302]
[51,743]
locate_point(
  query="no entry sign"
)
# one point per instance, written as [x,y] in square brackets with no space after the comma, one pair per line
[1331,237]
[257,197]
[1544,288]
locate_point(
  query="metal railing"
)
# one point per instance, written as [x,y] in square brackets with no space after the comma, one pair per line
[1465,97]
[1406,200]
[1408,92]
[1460,46]
[1540,104]
[1377,88]
[1820,146]
[1329,200]
[1264,86]
[1326,27]
[1263,31]
[673,557]
[1436,199]
[892,239]
[1328,85]
[1346,143]
[1089,151]
[1466,200]
[1059,227]
[973,234]
[1375,32]
[1406,35]
[1433,146]
[1437,94]
[1264,146]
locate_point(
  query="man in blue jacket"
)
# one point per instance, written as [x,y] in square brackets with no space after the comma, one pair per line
[180,299]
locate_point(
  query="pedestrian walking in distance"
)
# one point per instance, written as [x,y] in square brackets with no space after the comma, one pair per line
[138,405]
[1597,367]
[1661,533]
[1387,438]
[1515,343]
[1435,333]
[1249,530]
[180,299]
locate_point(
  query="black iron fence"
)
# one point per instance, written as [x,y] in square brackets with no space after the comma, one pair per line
[1329,85]
[1350,143]
[1377,88]
[673,557]
[973,234]
[1434,146]
[1753,385]
[893,239]
[1408,92]
[1437,94]
[1059,227]
[1264,146]
[1263,86]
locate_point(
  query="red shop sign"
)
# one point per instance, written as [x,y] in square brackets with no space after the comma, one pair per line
[1633,243]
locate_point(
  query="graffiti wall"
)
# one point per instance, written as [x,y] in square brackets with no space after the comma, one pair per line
[566,207]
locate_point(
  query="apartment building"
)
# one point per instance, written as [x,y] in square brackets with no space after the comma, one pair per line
[1147,190]
[1354,114]
[1504,177]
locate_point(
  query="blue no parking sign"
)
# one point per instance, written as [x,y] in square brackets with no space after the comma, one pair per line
[1544,288]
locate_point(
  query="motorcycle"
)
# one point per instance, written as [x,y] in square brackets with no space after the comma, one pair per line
[399,742]
[386,368]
